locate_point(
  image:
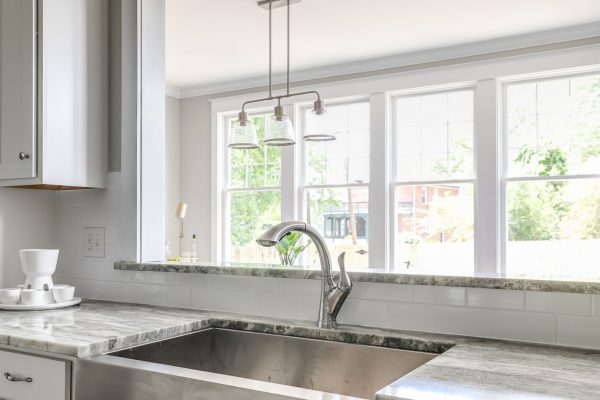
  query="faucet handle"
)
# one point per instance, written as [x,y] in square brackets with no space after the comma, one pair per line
[344,283]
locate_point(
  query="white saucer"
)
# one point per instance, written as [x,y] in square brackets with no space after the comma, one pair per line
[40,307]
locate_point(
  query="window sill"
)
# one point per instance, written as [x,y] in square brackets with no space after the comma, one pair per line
[367,275]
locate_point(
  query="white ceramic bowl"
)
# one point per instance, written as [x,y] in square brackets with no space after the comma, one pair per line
[38,266]
[10,296]
[63,293]
[32,297]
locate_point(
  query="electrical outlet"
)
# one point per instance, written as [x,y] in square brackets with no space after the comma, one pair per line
[93,242]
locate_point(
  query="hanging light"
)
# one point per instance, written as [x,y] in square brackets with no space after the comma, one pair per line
[243,134]
[279,130]
[313,133]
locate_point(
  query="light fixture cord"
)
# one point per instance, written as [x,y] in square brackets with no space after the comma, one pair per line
[270,52]
[288,47]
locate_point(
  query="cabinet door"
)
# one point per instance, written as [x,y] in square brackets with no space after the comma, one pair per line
[26,377]
[17,89]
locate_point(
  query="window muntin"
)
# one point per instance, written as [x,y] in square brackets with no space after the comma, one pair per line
[553,228]
[336,180]
[250,213]
[433,207]
[346,159]
[342,216]
[552,119]
[252,197]
[434,135]
[435,236]
[552,131]
[255,168]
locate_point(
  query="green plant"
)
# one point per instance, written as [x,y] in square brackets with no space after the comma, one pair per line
[289,249]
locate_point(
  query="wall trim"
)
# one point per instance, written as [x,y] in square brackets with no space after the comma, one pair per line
[502,47]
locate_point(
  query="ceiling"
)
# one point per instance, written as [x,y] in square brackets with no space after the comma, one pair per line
[214,42]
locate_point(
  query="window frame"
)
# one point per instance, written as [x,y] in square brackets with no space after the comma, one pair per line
[488,77]
[226,189]
[505,179]
[393,162]
[374,255]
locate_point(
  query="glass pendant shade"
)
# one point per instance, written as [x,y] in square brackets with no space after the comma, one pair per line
[279,131]
[243,136]
[318,126]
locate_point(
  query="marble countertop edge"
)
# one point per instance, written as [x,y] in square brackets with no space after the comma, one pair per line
[375,276]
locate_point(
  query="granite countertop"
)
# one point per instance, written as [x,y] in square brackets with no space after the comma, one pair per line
[542,284]
[467,368]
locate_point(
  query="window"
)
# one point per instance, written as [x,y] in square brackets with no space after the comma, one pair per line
[552,129]
[433,199]
[252,197]
[499,175]
[336,180]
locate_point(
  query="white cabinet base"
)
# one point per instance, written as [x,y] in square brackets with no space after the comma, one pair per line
[50,378]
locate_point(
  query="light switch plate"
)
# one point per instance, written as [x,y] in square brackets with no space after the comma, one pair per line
[93,242]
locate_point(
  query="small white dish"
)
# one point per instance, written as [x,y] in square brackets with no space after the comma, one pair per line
[63,293]
[32,297]
[10,295]
[40,307]
[48,297]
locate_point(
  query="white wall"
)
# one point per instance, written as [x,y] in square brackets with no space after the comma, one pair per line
[172,171]
[196,172]
[26,221]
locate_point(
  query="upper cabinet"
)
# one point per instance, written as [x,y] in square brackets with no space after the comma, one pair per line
[53,93]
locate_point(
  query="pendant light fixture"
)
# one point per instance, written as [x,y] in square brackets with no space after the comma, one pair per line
[279,130]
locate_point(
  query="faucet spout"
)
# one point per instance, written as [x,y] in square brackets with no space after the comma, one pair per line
[333,294]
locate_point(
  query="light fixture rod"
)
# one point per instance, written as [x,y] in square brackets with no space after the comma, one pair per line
[288,47]
[283,96]
[270,50]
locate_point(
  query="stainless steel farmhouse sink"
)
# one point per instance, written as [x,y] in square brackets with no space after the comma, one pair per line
[229,364]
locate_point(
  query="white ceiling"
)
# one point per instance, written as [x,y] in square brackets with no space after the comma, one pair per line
[212,42]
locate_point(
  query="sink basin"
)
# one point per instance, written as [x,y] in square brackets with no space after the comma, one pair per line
[353,370]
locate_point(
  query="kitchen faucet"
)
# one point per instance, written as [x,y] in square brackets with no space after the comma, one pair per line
[333,293]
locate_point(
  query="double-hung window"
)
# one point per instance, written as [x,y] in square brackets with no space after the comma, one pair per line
[433,206]
[498,175]
[552,176]
[335,179]
[252,196]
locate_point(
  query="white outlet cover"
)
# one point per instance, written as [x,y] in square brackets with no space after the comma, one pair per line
[94,242]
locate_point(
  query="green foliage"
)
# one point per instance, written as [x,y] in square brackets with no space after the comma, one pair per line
[537,210]
[252,212]
[289,249]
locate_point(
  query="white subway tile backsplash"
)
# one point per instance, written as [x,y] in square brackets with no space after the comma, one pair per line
[453,296]
[385,291]
[307,287]
[280,305]
[596,305]
[466,321]
[416,317]
[192,280]
[174,296]
[309,307]
[560,303]
[236,301]
[579,331]
[525,326]
[496,298]
[364,312]
[244,283]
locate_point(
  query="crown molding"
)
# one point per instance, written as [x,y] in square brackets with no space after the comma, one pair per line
[500,47]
